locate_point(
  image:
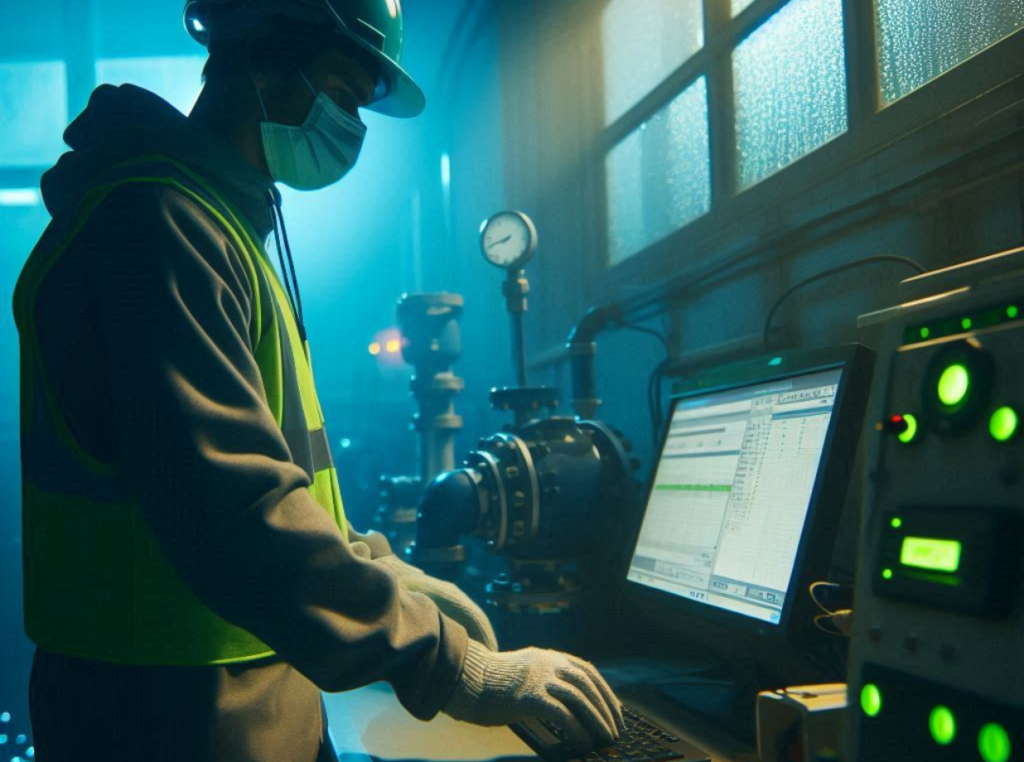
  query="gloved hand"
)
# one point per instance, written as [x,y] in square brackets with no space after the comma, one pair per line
[448,597]
[500,688]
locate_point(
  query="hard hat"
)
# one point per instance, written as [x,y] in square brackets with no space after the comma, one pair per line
[373,25]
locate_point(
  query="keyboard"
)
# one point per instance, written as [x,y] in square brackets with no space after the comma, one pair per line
[643,741]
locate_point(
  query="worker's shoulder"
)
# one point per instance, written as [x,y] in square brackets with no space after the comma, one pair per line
[161,203]
[155,226]
[157,219]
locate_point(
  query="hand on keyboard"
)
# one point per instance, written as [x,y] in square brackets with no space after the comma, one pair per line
[502,688]
[641,741]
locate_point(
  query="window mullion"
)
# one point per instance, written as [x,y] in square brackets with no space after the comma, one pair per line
[721,104]
[861,68]
[80,52]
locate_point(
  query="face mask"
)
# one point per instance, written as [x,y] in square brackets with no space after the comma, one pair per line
[317,154]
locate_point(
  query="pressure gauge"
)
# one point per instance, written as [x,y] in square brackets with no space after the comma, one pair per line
[508,240]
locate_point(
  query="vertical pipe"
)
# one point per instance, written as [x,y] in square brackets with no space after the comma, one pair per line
[519,347]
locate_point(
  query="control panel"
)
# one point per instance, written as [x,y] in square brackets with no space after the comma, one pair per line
[936,667]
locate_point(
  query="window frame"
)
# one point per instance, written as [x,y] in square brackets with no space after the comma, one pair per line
[872,126]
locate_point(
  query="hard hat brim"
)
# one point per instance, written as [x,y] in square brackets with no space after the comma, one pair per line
[403,98]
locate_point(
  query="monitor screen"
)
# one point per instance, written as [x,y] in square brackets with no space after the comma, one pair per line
[731,492]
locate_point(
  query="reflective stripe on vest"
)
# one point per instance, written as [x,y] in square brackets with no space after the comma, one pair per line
[96,582]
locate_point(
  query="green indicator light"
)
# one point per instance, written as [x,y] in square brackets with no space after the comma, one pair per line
[925,333]
[871,700]
[954,384]
[966,323]
[1003,424]
[994,743]
[1012,312]
[896,523]
[775,361]
[910,434]
[929,553]
[942,724]
[886,573]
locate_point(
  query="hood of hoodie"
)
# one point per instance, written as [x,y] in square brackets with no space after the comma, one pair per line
[121,123]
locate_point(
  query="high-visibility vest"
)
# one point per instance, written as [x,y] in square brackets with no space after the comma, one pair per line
[96,583]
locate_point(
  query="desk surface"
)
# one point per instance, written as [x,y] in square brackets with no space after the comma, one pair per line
[370,721]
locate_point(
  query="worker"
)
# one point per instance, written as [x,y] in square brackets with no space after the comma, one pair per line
[191,581]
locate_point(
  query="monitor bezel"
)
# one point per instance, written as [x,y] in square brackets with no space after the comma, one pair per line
[827,495]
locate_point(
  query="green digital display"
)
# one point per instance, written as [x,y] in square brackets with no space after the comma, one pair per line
[931,554]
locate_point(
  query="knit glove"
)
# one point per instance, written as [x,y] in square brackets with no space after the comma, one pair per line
[447,597]
[501,688]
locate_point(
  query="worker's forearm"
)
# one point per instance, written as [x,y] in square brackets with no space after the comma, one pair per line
[283,574]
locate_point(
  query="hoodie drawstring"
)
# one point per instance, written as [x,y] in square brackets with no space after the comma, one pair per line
[296,299]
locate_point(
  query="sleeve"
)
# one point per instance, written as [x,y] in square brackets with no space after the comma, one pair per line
[200,448]
[375,541]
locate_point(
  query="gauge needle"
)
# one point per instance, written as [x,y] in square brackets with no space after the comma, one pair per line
[503,240]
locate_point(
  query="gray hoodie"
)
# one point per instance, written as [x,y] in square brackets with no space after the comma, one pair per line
[142,326]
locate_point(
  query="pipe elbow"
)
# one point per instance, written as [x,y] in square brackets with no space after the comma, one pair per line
[449,508]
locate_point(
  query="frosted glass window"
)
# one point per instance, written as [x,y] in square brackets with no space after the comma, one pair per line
[738,6]
[644,42]
[33,113]
[659,177]
[920,39]
[790,80]
[176,79]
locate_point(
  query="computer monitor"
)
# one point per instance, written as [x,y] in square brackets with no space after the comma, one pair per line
[744,501]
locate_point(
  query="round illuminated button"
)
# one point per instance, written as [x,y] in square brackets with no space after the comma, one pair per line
[871,700]
[954,383]
[942,725]
[887,574]
[1003,424]
[994,743]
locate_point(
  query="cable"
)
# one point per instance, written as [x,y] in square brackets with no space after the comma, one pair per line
[295,280]
[814,586]
[294,299]
[653,381]
[841,619]
[827,273]
[654,398]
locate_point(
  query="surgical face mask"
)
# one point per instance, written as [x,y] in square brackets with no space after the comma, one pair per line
[317,154]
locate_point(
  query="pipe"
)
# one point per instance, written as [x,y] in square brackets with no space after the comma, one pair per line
[582,349]
[449,508]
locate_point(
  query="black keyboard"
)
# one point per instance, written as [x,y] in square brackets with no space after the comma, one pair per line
[643,741]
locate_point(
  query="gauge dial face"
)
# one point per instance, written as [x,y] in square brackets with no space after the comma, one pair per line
[508,239]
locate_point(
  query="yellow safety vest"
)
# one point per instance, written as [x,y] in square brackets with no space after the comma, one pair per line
[96,583]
